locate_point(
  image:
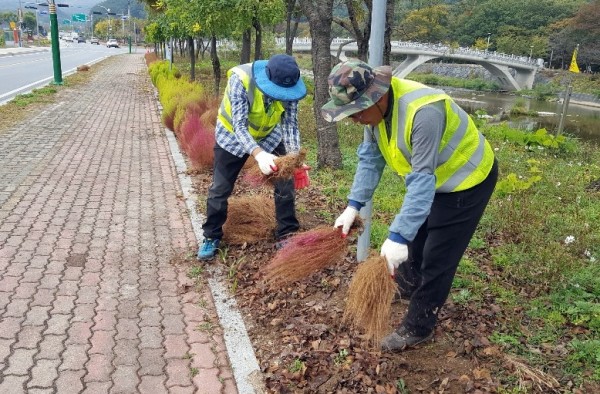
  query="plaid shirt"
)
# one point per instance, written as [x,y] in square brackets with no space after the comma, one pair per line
[240,142]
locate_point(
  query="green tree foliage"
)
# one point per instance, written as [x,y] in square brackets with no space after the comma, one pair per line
[29,22]
[428,24]
[473,19]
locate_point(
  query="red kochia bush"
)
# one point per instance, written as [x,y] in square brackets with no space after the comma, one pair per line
[304,254]
[197,141]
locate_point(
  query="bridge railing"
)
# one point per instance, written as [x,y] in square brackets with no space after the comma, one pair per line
[444,50]
[441,49]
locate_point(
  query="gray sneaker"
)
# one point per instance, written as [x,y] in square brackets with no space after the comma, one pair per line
[401,339]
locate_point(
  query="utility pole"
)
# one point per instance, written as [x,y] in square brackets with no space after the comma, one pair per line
[375,60]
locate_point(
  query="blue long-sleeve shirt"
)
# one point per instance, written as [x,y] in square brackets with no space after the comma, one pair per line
[241,142]
[428,127]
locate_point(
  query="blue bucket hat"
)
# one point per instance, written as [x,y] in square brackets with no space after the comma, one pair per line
[279,78]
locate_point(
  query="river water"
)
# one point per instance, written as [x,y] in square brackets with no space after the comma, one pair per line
[581,121]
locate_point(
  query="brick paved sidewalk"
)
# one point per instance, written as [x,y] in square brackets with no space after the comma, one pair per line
[91,220]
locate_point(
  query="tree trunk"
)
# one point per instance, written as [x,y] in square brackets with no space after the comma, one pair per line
[291,27]
[246,42]
[320,15]
[192,53]
[214,57]
[258,40]
[362,33]
[387,40]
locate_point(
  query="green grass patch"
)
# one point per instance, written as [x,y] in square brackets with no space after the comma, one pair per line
[479,84]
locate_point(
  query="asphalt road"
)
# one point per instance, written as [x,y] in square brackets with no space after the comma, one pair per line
[20,73]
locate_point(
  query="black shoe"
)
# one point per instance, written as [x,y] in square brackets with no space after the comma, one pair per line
[401,339]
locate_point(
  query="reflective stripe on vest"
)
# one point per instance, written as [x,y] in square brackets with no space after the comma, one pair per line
[464,158]
[260,122]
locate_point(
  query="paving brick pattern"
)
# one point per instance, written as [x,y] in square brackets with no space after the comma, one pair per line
[91,225]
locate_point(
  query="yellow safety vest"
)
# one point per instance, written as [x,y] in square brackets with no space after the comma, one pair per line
[260,121]
[465,158]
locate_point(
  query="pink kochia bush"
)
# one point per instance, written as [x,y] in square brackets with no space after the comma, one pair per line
[197,141]
[304,254]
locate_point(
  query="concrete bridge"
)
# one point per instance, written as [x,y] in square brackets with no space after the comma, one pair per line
[498,64]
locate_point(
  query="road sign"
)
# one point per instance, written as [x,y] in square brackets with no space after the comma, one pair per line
[78,17]
[13,25]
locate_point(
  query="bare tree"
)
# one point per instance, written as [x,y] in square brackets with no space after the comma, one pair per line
[320,16]
[358,24]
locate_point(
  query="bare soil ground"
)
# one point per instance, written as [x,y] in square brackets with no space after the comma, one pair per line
[303,346]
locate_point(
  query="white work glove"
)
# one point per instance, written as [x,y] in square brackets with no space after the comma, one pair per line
[266,162]
[395,254]
[346,219]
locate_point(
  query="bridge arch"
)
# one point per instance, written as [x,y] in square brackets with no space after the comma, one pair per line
[503,74]
[514,72]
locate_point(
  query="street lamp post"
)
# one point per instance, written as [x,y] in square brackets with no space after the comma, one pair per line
[109,20]
[55,45]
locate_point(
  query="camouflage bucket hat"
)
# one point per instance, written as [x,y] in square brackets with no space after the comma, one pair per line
[354,86]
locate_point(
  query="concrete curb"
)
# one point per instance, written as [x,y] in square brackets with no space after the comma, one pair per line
[246,370]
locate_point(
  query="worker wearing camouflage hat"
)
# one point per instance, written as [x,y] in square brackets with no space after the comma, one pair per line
[449,170]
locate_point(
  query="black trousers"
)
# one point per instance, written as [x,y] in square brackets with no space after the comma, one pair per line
[437,249]
[226,169]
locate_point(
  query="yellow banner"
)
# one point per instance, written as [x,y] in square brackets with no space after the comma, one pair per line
[574,67]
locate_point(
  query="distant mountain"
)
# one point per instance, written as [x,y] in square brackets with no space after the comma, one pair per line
[82,6]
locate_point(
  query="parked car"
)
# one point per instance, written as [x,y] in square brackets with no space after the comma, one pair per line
[95,40]
[112,43]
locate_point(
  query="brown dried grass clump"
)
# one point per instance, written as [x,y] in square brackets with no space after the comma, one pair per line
[286,166]
[305,253]
[249,219]
[370,298]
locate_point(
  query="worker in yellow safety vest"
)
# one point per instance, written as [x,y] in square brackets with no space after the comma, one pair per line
[450,173]
[258,117]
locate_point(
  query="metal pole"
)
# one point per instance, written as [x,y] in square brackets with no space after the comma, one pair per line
[55,44]
[375,60]
[20,17]
[563,113]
